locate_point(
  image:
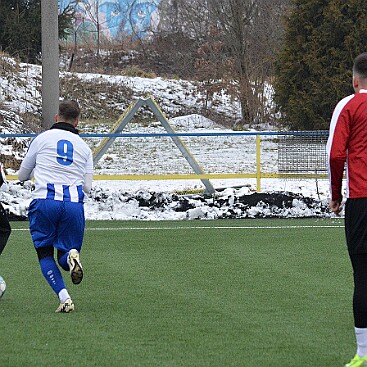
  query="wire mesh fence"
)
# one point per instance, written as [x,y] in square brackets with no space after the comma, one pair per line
[304,153]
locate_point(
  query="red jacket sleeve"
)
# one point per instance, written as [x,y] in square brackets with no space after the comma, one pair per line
[337,147]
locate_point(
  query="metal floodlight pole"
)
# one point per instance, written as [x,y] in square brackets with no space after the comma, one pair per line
[50,61]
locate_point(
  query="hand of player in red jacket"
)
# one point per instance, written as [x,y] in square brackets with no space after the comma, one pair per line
[335,206]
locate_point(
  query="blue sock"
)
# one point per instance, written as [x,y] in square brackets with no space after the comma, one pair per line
[52,274]
[63,261]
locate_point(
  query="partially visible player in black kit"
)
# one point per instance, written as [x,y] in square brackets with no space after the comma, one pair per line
[5,228]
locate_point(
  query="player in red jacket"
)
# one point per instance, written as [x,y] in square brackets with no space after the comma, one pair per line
[347,148]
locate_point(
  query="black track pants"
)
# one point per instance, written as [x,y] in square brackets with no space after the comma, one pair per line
[359,263]
[5,228]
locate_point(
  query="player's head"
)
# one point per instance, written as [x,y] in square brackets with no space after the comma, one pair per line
[360,72]
[69,112]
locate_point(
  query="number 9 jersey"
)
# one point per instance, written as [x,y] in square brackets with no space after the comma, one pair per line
[60,160]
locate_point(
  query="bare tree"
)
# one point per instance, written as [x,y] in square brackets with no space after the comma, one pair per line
[187,16]
[240,56]
[88,23]
[92,11]
[228,45]
[249,28]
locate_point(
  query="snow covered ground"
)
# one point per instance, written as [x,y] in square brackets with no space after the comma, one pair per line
[157,199]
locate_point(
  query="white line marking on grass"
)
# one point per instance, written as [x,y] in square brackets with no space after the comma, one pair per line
[207,227]
[195,227]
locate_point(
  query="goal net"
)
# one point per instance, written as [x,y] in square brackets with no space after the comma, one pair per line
[303,153]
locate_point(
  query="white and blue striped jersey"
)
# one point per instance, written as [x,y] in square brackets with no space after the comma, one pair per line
[60,159]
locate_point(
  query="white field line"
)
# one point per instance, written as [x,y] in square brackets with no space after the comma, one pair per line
[196,227]
[210,227]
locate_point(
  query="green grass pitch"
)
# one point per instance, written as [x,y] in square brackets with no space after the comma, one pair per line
[188,293]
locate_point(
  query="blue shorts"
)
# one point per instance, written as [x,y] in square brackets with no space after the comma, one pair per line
[59,224]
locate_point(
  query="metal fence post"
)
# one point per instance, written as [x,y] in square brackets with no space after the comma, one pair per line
[258,164]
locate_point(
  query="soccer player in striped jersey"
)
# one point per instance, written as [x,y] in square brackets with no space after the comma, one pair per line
[62,166]
[347,143]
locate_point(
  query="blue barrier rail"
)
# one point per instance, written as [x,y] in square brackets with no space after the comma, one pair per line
[152,135]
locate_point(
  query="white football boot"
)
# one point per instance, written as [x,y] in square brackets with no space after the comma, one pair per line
[75,266]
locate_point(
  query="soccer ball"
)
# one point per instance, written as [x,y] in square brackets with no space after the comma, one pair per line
[2,286]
